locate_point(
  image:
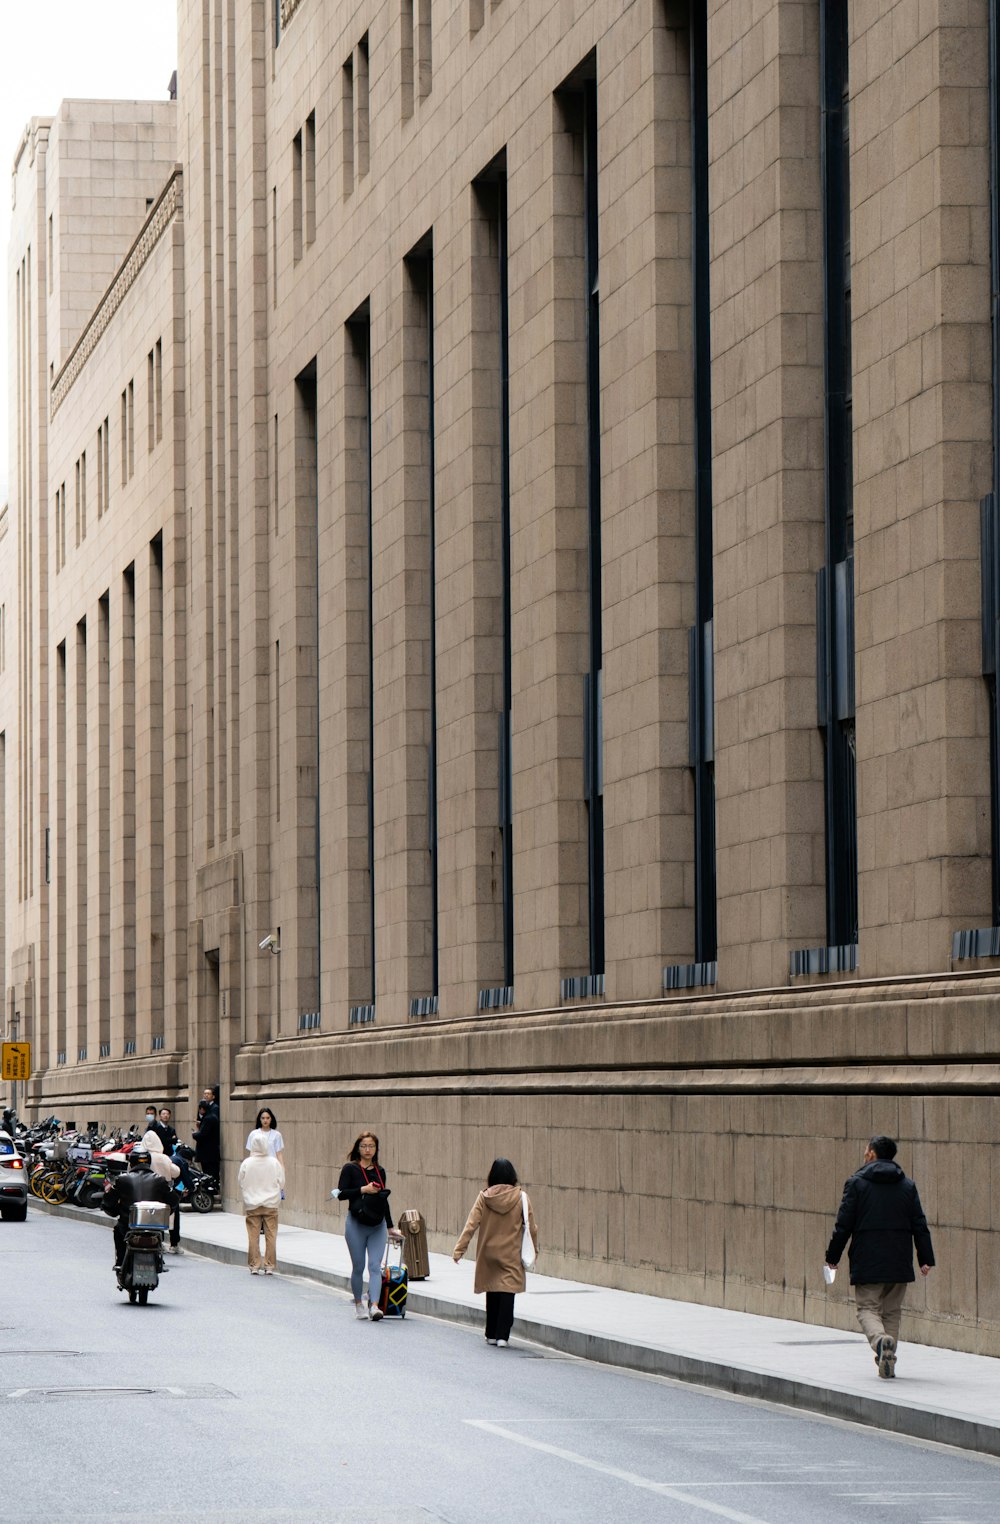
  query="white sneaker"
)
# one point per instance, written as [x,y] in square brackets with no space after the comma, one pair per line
[375,1313]
[491,1341]
[254,1272]
[503,1344]
[360,1313]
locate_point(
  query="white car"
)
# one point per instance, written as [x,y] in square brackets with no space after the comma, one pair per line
[13,1182]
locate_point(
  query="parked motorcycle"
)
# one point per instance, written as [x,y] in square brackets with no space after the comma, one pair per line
[142,1265]
[205,1189]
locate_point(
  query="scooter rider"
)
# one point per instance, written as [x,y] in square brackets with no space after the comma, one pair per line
[140,1184]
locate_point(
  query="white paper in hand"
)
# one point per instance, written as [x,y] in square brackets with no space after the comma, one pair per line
[829,1274]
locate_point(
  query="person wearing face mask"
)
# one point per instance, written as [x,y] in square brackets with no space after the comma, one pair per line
[149,1120]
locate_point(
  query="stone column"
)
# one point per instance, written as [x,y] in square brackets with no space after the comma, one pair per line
[767,418]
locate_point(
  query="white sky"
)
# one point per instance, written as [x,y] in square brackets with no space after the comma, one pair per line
[56,49]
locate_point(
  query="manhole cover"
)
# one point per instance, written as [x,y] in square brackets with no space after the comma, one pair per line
[49,1393]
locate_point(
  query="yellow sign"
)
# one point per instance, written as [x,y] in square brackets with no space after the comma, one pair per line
[16,1061]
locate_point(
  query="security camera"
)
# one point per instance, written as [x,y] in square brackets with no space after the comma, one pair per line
[269,944]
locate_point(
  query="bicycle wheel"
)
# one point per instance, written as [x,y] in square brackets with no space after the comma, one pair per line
[54,1190]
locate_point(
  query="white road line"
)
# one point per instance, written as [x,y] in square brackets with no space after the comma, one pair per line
[662,1489]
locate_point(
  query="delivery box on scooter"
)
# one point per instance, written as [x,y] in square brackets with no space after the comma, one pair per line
[149,1214]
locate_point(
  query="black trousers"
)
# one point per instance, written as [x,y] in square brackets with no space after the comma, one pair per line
[499,1314]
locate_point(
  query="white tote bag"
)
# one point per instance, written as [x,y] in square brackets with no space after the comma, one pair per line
[527,1246]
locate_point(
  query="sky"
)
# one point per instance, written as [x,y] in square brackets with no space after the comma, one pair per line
[53,50]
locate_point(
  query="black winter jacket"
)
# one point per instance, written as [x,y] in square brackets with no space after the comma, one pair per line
[137,1185]
[881,1214]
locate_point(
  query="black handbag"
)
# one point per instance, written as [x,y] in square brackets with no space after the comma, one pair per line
[370,1209]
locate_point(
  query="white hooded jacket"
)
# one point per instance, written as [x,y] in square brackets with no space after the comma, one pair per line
[158,1161]
[261,1177]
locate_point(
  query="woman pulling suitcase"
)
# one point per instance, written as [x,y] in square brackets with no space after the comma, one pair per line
[369,1221]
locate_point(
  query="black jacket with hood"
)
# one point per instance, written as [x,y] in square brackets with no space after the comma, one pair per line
[881,1214]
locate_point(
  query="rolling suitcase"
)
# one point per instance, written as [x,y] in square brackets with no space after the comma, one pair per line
[394,1286]
[416,1257]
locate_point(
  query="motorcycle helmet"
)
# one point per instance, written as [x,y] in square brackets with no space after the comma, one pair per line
[139,1158]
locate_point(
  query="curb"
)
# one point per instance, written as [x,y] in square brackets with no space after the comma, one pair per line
[741,1381]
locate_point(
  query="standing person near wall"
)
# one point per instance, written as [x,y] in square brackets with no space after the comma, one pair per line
[261,1179]
[267,1123]
[207,1135]
[498,1216]
[369,1221]
[881,1215]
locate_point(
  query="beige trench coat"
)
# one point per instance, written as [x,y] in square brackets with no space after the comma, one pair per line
[498,1218]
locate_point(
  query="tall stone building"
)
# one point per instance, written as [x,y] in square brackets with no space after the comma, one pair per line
[498,616]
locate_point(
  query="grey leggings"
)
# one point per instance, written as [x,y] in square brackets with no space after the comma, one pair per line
[366,1239]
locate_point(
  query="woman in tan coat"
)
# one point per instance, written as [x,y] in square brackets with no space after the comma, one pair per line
[499,1217]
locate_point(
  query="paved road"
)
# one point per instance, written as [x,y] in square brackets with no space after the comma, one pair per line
[237,1398]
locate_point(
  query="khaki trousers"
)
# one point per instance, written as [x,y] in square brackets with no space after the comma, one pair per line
[261,1220]
[879,1306]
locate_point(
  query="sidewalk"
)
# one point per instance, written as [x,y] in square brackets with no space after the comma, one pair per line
[940,1394]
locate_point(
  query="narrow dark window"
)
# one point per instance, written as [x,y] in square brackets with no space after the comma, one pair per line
[835,590]
[506,787]
[277,21]
[103,853]
[421,268]
[701,657]
[359,329]
[406,62]
[297,197]
[347,124]
[309,179]
[126,692]
[363,126]
[308,683]
[990,506]
[594,685]
[81,845]
[62,853]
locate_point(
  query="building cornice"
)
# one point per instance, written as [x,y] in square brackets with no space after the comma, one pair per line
[161,214]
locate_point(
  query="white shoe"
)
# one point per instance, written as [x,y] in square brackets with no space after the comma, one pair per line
[503,1344]
[268,1272]
[175,1249]
[491,1341]
[254,1272]
[375,1313]
[360,1313]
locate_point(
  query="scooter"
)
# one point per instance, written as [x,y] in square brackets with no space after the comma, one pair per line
[142,1264]
[204,1188]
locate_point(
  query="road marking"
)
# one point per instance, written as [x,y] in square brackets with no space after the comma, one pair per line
[662,1489]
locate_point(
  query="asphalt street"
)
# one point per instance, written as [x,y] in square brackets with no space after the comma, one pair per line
[239,1398]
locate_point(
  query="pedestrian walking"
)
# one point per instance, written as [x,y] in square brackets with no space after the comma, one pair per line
[260,1179]
[499,1216]
[881,1215]
[369,1223]
[267,1123]
[169,1171]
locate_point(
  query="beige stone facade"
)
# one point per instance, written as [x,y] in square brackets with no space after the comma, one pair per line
[272,449]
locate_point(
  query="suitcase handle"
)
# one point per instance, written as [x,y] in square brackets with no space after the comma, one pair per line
[390,1245]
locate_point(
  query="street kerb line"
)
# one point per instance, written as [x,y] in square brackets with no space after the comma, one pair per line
[631,1478]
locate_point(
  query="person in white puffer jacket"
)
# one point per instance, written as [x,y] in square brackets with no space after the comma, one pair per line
[261,1180]
[168,1171]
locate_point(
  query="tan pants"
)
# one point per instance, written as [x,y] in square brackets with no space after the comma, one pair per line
[879,1307]
[261,1220]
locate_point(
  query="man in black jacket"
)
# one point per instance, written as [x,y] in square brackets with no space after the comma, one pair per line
[881,1214]
[140,1184]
